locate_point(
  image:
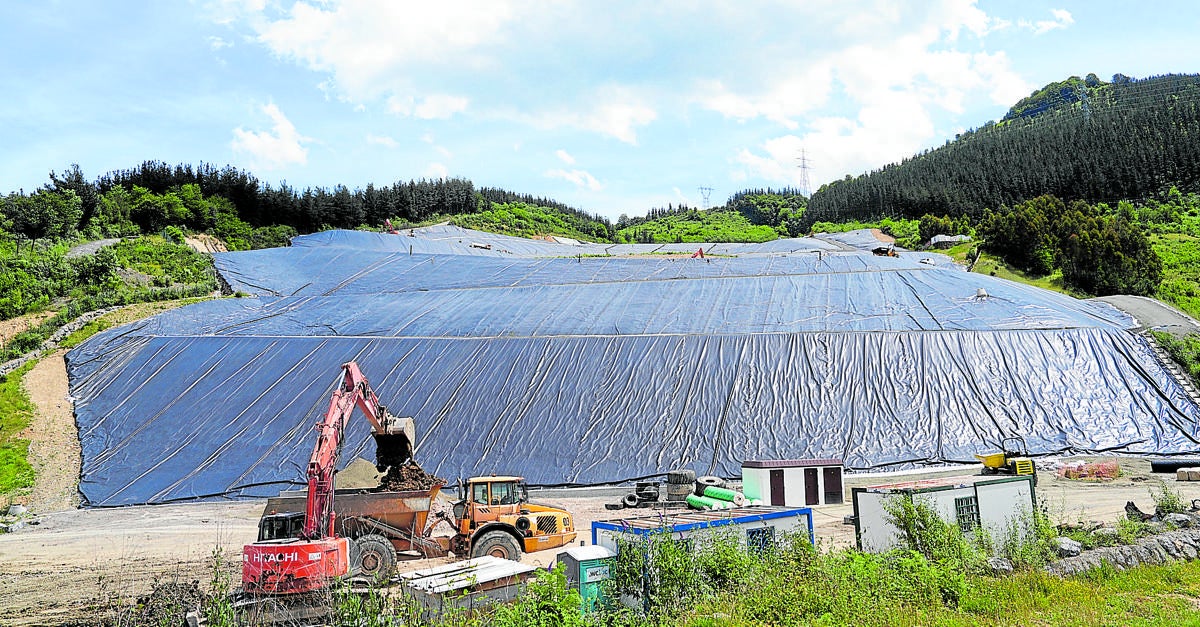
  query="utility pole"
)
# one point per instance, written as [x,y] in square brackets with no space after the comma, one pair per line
[804,164]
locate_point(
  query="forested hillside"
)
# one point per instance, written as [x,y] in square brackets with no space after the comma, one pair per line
[1082,139]
[758,215]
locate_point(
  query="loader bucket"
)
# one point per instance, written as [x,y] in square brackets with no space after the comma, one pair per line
[992,460]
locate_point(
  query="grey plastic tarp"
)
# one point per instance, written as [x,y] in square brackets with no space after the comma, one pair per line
[575,370]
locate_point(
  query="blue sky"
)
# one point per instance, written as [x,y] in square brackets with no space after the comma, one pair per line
[612,107]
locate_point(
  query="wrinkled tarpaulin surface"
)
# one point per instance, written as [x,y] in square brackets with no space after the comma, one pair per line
[528,359]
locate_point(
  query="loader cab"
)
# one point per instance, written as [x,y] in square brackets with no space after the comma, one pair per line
[285,526]
[498,490]
[488,498]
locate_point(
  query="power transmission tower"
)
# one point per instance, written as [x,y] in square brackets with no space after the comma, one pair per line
[804,164]
[704,194]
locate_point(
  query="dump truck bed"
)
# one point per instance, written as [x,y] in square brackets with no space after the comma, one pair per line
[407,510]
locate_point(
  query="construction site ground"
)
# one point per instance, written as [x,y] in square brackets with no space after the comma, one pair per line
[57,571]
[66,562]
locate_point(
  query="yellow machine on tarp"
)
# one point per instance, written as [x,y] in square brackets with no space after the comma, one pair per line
[1013,458]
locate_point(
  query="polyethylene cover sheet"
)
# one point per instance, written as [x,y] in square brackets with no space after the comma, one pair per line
[584,370]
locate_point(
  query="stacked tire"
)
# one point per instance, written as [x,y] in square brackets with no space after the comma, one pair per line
[708,481]
[680,483]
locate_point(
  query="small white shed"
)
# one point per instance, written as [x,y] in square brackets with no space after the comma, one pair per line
[793,482]
[971,502]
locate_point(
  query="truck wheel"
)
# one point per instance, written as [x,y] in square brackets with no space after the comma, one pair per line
[497,544]
[377,557]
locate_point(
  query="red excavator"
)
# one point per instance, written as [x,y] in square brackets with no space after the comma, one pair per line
[287,560]
[301,552]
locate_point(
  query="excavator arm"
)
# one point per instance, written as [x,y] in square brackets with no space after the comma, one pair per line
[393,441]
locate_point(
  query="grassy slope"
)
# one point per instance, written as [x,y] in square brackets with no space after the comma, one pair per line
[1180,255]
[1163,596]
[16,411]
[523,220]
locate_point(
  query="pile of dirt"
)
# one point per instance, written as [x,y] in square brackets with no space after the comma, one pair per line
[166,604]
[205,243]
[409,476]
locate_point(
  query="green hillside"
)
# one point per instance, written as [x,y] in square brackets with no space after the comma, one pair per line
[694,225]
[526,220]
[748,216]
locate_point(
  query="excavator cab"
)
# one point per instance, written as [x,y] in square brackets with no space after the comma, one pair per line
[283,526]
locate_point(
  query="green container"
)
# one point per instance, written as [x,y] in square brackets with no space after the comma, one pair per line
[703,502]
[587,568]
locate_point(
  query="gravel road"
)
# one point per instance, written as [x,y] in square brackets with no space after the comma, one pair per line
[1153,314]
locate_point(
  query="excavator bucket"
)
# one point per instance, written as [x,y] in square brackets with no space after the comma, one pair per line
[394,447]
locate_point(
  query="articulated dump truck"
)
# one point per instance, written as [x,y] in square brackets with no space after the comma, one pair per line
[494,517]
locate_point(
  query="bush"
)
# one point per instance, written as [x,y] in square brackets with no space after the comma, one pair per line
[174,234]
[1167,500]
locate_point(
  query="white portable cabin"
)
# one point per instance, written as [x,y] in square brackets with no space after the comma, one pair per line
[793,482]
[756,526]
[970,502]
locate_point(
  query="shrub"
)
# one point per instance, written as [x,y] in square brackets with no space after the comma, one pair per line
[1167,500]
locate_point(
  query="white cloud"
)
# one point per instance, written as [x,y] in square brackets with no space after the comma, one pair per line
[564,156]
[436,171]
[882,133]
[619,120]
[579,177]
[373,47]
[886,50]
[217,43]
[229,11]
[1062,19]
[382,140]
[619,116]
[434,107]
[274,149]
[874,99]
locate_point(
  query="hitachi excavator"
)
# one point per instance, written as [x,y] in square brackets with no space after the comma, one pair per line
[299,553]
[291,560]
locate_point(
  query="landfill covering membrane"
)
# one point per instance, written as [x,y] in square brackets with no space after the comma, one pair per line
[575,363]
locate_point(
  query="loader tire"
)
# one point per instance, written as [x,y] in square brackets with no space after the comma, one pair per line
[497,544]
[376,557]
